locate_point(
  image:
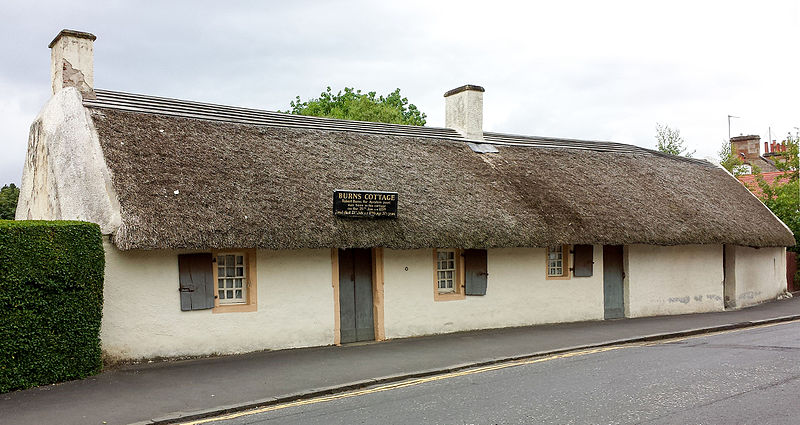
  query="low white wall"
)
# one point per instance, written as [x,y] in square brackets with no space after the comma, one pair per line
[663,280]
[517,294]
[760,274]
[142,316]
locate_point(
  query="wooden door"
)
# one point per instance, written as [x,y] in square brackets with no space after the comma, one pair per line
[613,275]
[355,295]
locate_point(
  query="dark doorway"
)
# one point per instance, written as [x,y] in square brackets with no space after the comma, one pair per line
[355,295]
[613,275]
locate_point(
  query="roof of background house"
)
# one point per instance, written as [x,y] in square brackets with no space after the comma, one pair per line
[194,175]
[749,180]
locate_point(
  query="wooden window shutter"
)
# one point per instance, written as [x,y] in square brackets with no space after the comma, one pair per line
[196,281]
[584,259]
[475,272]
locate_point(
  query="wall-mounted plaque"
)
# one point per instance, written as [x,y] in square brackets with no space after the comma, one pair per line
[364,204]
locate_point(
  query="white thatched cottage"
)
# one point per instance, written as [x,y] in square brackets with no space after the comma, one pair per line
[224,234]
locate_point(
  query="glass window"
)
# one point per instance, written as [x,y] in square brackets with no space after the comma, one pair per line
[231,279]
[555,261]
[446,271]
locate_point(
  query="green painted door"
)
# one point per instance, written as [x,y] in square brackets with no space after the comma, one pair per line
[355,295]
[613,275]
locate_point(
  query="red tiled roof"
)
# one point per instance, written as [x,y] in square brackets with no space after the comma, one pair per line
[749,180]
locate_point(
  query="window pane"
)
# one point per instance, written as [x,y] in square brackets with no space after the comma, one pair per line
[220,283]
[229,294]
[229,283]
[239,260]
[229,260]
[222,295]
[442,255]
[220,271]
[239,293]
[231,271]
[237,283]
[240,271]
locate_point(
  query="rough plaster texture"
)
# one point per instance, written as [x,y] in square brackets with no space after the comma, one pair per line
[142,316]
[464,113]
[517,294]
[662,280]
[65,176]
[72,64]
[759,274]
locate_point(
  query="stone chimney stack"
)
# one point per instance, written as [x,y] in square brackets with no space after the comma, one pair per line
[72,62]
[464,111]
[746,147]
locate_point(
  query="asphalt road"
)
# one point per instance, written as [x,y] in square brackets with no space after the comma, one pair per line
[749,376]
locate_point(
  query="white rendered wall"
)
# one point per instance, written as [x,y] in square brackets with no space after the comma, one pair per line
[760,274]
[142,316]
[517,294]
[662,280]
[65,176]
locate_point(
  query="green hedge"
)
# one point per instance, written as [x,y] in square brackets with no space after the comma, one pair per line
[51,301]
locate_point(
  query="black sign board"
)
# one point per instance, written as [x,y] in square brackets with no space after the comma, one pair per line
[364,204]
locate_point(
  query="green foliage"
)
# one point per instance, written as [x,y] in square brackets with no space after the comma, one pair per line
[730,161]
[354,105]
[783,195]
[669,141]
[51,301]
[9,195]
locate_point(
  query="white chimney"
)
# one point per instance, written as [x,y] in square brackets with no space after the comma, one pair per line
[72,61]
[463,111]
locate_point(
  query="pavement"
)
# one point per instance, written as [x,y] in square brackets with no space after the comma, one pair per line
[168,392]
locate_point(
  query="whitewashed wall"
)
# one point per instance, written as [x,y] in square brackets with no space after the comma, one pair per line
[142,316]
[662,280]
[760,274]
[517,294]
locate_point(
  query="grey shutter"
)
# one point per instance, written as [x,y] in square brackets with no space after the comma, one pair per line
[475,272]
[196,281]
[584,259]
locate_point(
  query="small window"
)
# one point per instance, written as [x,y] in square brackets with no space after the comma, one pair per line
[558,261]
[235,281]
[448,278]
[231,279]
[446,271]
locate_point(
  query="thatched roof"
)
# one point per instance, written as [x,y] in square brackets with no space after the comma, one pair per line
[203,183]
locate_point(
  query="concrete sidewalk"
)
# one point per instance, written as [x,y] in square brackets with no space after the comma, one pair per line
[161,392]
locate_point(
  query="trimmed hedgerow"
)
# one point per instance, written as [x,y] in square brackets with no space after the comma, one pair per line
[51,301]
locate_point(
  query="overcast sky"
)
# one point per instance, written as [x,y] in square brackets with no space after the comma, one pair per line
[581,69]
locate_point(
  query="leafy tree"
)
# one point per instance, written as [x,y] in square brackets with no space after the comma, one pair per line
[354,105]
[670,141]
[9,195]
[782,196]
[730,161]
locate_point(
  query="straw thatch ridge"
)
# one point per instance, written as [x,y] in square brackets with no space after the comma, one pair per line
[188,183]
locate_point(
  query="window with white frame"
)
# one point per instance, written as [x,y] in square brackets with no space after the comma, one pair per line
[231,278]
[555,261]
[446,271]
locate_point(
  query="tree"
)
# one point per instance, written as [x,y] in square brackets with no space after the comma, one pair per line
[9,195]
[730,161]
[354,105]
[670,141]
[782,196]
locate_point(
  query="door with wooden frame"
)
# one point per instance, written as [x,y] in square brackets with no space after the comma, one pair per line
[355,295]
[613,276]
